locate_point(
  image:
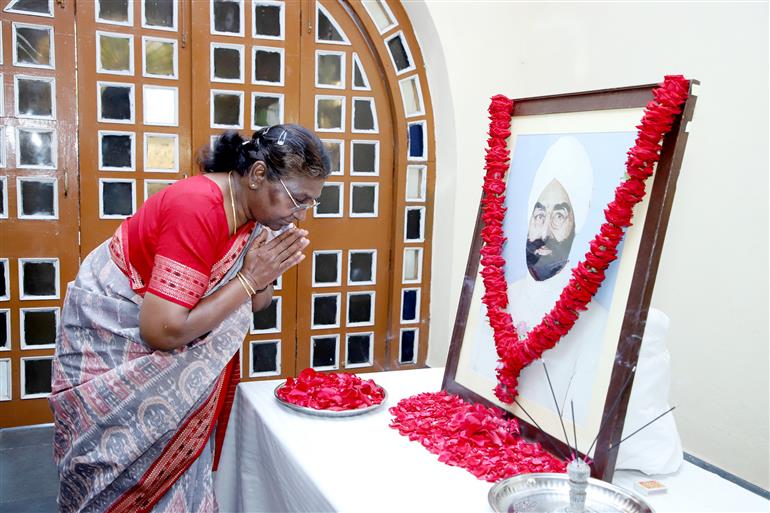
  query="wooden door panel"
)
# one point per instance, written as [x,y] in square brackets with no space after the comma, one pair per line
[39,218]
[326,22]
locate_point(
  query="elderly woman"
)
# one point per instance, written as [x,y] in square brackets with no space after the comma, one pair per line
[147,353]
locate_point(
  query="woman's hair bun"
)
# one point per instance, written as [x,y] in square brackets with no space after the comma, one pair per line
[226,154]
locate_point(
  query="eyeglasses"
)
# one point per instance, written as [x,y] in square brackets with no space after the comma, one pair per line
[298,206]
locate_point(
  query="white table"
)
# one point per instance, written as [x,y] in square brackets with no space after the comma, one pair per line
[277,460]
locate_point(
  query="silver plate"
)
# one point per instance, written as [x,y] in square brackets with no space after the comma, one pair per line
[550,493]
[329,413]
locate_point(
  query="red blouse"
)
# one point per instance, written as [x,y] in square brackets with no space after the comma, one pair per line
[178,243]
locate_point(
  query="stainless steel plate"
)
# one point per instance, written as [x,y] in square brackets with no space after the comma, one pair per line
[329,413]
[550,493]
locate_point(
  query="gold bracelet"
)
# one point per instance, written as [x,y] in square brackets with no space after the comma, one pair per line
[248,282]
[243,284]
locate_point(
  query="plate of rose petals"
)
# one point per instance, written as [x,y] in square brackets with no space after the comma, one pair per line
[334,394]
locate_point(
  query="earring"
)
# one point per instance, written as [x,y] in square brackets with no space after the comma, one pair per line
[253,185]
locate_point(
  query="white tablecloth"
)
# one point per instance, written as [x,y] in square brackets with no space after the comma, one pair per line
[277,460]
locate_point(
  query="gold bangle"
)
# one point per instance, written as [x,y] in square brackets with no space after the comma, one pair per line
[243,284]
[248,282]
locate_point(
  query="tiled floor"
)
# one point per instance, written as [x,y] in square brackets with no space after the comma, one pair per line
[28,477]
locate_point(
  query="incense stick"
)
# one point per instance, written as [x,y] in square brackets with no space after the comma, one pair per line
[635,432]
[574,429]
[558,411]
[548,439]
[610,411]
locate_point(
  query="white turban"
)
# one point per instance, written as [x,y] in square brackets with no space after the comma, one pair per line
[566,161]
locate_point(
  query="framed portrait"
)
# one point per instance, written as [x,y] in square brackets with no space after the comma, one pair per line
[567,156]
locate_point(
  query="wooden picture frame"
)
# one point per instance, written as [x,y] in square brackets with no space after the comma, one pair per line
[637,266]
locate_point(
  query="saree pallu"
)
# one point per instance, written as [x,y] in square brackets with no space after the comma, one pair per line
[133,426]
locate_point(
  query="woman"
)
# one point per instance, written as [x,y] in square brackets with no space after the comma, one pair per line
[147,352]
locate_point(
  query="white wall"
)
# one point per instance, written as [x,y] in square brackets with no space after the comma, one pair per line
[713,275]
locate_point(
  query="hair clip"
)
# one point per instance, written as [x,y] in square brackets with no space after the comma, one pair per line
[282,138]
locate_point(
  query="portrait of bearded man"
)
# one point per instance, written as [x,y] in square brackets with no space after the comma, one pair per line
[558,204]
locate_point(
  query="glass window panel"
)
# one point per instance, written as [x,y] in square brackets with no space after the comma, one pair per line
[227,63]
[414,224]
[117,151]
[364,157]
[34,97]
[363,199]
[34,45]
[329,201]
[358,349]
[39,279]
[37,198]
[407,346]
[31,6]
[3,278]
[334,149]
[159,58]
[359,76]
[39,327]
[152,187]
[416,141]
[3,195]
[116,102]
[411,96]
[267,66]
[325,268]
[159,13]
[115,53]
[399,53]
[115,11]
[379,14]
[415,183]
[329,113]
[329,68]
[264,357]
[37,376]
[227,109]
[325,310]
[361,267]
[412,263]
[36,148]
[324,352]
[326,29]
[117,198]
[5,317]
[160,153]
[227,16]
[267,20]
[409,305]
[5,380]
[160,105]
[363,115]
[267,319]
[267,110]
[360,308]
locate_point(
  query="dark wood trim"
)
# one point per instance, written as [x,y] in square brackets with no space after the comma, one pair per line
[637,306]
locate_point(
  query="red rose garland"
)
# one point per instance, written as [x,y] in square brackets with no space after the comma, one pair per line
[514,353]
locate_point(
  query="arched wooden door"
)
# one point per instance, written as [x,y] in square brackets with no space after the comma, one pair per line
[156,80]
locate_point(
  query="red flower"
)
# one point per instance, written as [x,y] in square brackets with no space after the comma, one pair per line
[333,391]
[515,354]
[472,436]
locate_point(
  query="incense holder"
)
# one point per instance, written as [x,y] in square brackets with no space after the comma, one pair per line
[548,493]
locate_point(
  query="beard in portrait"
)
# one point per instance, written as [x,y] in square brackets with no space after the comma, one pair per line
[558,204]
